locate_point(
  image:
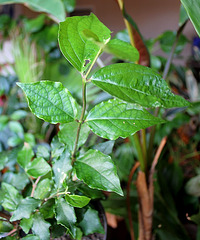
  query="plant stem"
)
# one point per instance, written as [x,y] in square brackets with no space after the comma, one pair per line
[144,145]
[128,199]
[34,186]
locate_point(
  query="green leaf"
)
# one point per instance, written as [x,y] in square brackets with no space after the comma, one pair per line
[25,155]
[61,168]
[31,237]
[25,208]
[26,224]
[50,101]
[3,159]
[77,49]
[122,50]
[35,24]
[137,84]
[18,180]
[5,226]
[114,119]
[43,151]
[47,209]
[98,171]
[192,187]
[43,189]
[67,134]
[91,223]
[38,167]
[14,141]
[3,122]
[77,201]
[18,115]
[193,8]
[41,227]
[53,7]
[11,197]
[65,215]
[105,147]
[183,15]
[69,5]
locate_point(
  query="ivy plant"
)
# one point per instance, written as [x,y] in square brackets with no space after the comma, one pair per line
[64,184]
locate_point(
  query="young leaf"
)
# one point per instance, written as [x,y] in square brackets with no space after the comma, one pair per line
[25,208]
[38,167]
[77,201]
[61,168]
[43,189]
[41,227]
[25,155]
[67,134]
[77,49]
[193,8]
[114,119]
[122,50]
[65,215]
[91,223]
[98,171]
[26,224]
[137,84]
[50,101]
[11,197]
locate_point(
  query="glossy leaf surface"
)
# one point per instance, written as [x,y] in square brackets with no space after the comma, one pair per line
[50,101]
[43,189]
[77,49]
[25,208]
[91,223]
[52,7]
[67,134]
[65,215]
[137,84]
[38,167]
[114,119]
[193,8]
[41,227]
[122,50]
[98,171]
[25,155]
[77,201]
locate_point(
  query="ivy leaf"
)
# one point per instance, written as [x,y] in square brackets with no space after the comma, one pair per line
[77,201]
[11,197]
[193,8]
[41,227]
[25,155]
[50,101]
[98,171]
[31,237]
[43,189]
[25,208]
[61,168]
[137,84]
[76,48]
[65,215]
[26,224]
[90,223]
[67,134]
[38,167]
[114,119]
[122,50]
[47,209]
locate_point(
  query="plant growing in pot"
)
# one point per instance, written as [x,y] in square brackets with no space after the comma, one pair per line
[63,184]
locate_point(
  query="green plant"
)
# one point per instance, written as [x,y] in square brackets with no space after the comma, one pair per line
[134,88]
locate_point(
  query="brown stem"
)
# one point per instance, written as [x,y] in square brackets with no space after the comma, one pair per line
[137,164]
[34,186]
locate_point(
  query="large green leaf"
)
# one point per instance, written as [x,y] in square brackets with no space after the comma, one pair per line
[137,84]
[91,223]
[67,134]
[98,171]
[65,215]
[50,101]
[38,167]
[26,224]
[114,119]
[41,227]
[122,50]
[25,208]
[43,189]
[11,197]
[79,50]
[193,8]
[53,7]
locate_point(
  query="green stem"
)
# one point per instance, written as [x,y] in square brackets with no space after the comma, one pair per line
[144,145]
